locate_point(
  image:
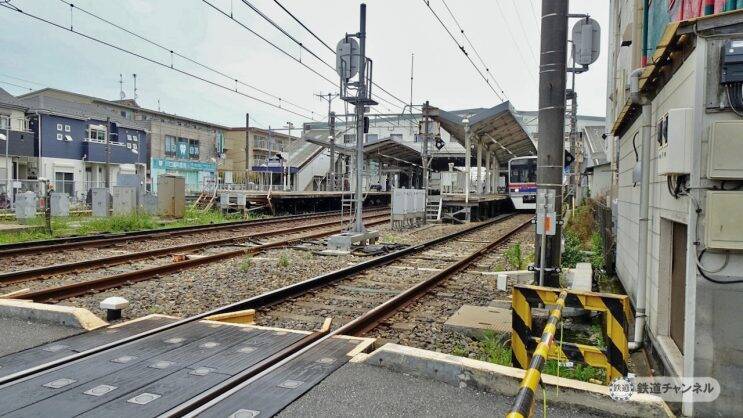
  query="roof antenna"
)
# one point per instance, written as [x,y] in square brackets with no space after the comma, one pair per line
[158,105]
[135,86]
[122,95]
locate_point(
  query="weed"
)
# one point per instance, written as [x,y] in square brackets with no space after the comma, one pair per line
[494,350]
[578,371]
[460,350]
[283,260]
[515,258]
[573,250]
[246,263]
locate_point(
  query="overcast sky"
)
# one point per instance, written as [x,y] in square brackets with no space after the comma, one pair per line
[504,33]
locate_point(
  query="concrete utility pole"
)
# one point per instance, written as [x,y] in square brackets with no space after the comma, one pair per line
[424,154]
[467,166]
[247,147]
[552,79]
[108,153]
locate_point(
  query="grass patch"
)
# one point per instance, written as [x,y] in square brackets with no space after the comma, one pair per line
[577,371]
[494,351]
[283,260]
[246,263]
[67,226]
[516,258]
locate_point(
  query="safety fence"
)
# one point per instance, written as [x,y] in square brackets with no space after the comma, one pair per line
[615,309]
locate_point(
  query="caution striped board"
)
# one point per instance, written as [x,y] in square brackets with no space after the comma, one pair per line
[616,312]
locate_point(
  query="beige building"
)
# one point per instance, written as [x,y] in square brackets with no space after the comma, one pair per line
[241,160]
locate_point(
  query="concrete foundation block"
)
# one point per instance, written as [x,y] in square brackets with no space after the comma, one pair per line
[488,377]
[52,314]
[580,277]
[475,321]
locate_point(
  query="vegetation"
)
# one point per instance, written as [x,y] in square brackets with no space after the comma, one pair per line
[246,263]
[494,351]
[283,260]
[88,225]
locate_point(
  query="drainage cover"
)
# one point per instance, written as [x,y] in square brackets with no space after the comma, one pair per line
[290,384]
[144,398]
[245,413]
[123,359]
[60,383]
[161,364]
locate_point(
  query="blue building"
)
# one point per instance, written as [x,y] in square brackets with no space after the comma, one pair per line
[80,145]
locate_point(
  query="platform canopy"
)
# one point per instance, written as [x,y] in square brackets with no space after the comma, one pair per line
[498,128]
[393,152]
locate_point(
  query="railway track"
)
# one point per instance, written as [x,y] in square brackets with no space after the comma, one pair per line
[247,245]
[98,240]
[311,355]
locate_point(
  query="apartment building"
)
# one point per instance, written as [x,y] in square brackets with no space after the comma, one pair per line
[267,153]
[172,143]
[17,145]
[677,174]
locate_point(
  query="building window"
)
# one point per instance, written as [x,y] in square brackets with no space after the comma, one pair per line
[129,145]
[59,126]
[128,137]
[64,183]
[371,138]
[193,149]
[134,147]
[68,138]
[135,138]
[349,138]
[59,137]
[170,147]
[4,122]
[396,136]
[97,133]
[67,128]
[182,151]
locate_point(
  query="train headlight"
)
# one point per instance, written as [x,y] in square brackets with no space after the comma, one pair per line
[516,190]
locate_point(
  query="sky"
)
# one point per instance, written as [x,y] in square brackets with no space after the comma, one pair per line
[504,34]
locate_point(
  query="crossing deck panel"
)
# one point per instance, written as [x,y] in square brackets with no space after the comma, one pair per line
[271,393]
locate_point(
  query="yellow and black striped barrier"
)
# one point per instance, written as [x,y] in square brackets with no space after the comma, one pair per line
[522,406]
[616,310]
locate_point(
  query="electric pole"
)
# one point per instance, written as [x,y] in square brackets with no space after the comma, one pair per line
[424,154]
[247,147]
[552,80]
[360,107]
[330,186]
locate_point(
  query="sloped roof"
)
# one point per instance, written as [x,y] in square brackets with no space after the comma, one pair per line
[8,100]
[498,126]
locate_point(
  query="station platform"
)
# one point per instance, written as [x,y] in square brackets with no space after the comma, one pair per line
[293,201]
[481,206]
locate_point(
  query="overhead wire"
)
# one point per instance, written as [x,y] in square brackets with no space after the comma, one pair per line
[526,34]
[325,44]
[16,85]
[462,48]
[180,55]
[151,60]
[302,47]
[487,67]
[513,39]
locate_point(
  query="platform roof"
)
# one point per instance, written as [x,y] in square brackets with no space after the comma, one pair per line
[392,151]
[498,127]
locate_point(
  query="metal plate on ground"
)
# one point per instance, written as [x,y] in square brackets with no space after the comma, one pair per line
[174,384]
[35,356]
[273,392]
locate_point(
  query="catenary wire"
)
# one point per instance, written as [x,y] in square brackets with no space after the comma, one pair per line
[148,59]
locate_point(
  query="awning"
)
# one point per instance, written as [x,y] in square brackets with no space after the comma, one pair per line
[393,151]
[498,127]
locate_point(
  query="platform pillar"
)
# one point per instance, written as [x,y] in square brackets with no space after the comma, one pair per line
[479,167]
[488,173]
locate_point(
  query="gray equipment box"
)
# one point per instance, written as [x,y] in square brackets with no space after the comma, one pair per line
[224,200]
[100,202]
[149,204]
[241,200]
[171,196]
[25,205]
[60,204]
[124,200]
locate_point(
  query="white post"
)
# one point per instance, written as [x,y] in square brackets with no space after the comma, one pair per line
[488,173]
[479,167]
[467,166]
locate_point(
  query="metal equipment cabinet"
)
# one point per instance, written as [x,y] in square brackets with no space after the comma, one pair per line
[171,196]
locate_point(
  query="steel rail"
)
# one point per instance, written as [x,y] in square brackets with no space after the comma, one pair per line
[20,276]
[57,293]
[357,327]
[255,302]
[66,243]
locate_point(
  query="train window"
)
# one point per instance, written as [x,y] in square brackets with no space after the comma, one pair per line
[523,171]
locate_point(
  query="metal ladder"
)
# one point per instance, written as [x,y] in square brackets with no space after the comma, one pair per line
[433,209]
[348,210]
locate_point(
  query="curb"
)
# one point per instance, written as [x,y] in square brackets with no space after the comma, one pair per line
[487,377]
[67,316]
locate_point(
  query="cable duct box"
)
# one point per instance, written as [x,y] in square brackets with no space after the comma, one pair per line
[674,133]
[723,229]
[725,150]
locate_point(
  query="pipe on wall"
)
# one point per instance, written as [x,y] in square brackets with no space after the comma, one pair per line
[642,247]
